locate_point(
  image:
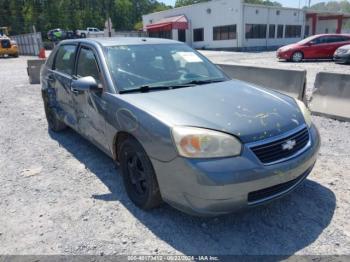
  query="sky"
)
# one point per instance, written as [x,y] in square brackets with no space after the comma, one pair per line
[286,3]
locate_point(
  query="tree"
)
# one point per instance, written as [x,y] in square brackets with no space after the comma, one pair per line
[179,3]
[263,2]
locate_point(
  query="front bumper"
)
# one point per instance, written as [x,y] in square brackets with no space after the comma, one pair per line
[283,55]
[344,58]
[209,187]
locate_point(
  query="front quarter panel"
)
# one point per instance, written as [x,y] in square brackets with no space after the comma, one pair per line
[153,134]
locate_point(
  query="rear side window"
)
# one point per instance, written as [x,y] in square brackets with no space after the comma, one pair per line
[87,65]
[65,57]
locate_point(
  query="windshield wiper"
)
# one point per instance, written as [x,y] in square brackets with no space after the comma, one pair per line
[203,82]
[147,88]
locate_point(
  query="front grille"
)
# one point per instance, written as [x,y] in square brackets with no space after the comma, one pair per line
[5,43]
[282,149]
[274,191]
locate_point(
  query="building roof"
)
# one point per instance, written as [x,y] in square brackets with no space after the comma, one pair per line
[169,23]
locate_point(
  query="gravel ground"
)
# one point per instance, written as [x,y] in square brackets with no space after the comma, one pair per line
[61,195]
[268,59]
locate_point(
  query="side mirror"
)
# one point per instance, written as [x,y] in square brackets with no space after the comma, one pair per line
[87,83]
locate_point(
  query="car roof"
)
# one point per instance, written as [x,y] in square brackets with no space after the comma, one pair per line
[114,41]
[332,35]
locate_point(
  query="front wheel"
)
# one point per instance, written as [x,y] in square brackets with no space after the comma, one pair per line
[297,57]
[138,175]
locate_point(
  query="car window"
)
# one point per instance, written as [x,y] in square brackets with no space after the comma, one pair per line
[87,65]
[64,61]
[158,64]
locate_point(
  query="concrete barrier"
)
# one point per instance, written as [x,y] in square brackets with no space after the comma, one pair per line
[332,96]
[289,82]
[33,70]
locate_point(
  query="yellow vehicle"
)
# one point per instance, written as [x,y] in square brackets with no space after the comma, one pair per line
[7,46]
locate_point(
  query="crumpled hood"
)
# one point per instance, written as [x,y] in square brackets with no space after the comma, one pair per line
[234,107]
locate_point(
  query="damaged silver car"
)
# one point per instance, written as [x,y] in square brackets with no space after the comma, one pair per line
[181,130]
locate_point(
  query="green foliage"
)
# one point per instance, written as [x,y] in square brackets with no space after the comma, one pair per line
[21,15]
[263,2]
[179,3]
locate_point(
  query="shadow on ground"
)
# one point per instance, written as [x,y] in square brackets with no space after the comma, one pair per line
[280,228]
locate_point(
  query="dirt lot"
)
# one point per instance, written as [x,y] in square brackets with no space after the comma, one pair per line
[268,59]
[61,195]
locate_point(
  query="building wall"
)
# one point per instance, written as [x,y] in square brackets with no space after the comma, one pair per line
[254,14]
[222,12]
[326,26]
[232,12]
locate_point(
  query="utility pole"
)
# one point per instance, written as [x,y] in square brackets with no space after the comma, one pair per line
[309,3]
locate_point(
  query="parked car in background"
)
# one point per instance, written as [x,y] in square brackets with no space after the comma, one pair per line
[313,47]
[342,55]
[90,31]
[181,130]
[56,34]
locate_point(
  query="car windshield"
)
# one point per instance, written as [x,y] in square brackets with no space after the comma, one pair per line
[155,65]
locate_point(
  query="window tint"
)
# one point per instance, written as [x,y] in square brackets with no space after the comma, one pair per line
[224,32]
[272,29]
[280,29]
[65,57]
[293,31]
[255,31]
[335,39]
[87,65]
[198,35]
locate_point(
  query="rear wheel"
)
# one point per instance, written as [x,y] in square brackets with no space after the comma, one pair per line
[138,175]
[55,124]
[83,35]
[297,57]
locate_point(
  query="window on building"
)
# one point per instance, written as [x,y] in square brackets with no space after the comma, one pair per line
[198,35]
[280,31]
[255,31]
[182,35]
[307,30]
[272,31]
[225,32]
[293,31]
[161,34]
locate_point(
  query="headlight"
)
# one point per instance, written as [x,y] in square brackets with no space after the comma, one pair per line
[348,52]
[192,142]
[305,111]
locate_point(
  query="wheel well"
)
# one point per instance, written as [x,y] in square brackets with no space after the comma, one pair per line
[119,138]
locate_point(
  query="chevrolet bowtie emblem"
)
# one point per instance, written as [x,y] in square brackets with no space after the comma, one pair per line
[289,145]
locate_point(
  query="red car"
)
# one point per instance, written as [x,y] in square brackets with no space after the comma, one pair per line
[313,47]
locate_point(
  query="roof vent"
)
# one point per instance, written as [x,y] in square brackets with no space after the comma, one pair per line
[209,11]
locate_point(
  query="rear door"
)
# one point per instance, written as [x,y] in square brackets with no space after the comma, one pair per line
[60,78]
[90,106]
[338,41]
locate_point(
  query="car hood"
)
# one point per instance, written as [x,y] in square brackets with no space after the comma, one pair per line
[234,107]
[288,47]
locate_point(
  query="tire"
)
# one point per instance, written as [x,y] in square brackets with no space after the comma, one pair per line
[297,57]
[83,35]
[54,123]
[139,178]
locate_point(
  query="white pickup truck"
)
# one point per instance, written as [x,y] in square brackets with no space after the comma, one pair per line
[89,32]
